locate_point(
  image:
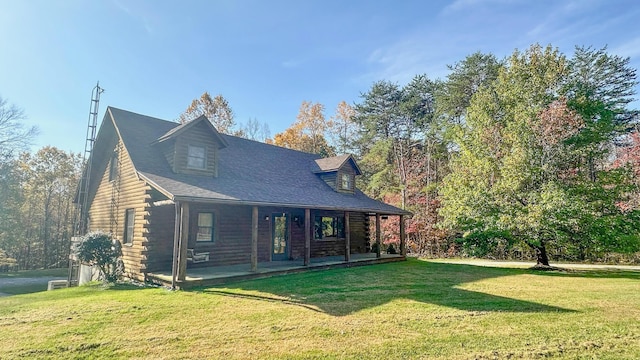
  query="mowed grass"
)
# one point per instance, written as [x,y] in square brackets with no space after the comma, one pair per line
[412,309]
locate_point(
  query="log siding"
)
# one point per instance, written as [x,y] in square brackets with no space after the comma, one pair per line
[200,136]
[232,244]
[334,179]
[131,193]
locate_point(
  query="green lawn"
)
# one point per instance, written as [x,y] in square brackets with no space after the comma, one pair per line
[413,309]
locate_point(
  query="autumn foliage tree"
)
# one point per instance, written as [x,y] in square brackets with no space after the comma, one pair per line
[342,129]
[307,133]
[216,109]
[525,169]
[37,208]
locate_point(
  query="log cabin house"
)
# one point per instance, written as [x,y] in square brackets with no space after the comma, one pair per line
[186,197]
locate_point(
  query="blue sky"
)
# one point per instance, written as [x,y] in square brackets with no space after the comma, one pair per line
[265,57]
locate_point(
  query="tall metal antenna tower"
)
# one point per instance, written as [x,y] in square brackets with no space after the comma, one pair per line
[83,189]
[82,212]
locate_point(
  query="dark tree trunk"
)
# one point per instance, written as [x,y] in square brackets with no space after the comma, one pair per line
[541,255]
[542,259]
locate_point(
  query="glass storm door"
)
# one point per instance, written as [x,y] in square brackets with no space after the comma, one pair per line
[279,236]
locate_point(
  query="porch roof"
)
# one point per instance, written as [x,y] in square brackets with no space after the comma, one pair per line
[249,172]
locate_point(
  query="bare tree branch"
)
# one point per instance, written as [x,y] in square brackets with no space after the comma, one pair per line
[14,136]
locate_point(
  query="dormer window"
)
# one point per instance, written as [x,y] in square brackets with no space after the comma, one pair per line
[346,182]
[196,157]
[339,172]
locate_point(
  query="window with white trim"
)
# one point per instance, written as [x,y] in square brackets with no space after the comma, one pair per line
[346,182]
[206,227]
[196,157]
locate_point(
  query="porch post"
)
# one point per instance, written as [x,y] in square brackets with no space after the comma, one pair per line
[347,238]
[176,246]
[379,245]
[254,239]
[403,240]
[184,241]
[307,237]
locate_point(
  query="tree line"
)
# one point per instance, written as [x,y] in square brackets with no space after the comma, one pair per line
[534,156]
[36,193]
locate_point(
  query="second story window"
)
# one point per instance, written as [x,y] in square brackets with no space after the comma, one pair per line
[196,157]
[346,182]
[129,226]
[113,166]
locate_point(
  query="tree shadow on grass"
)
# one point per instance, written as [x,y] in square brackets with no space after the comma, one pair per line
[341,292]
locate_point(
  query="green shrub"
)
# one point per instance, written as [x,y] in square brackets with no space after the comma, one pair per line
[100,249]
[391,249]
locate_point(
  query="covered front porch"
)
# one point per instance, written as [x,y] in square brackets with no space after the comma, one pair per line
[215,275]
[267,240]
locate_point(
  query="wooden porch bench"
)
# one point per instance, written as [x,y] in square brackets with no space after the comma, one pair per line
[197,257]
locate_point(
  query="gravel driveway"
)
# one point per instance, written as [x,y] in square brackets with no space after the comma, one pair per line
[525,264]
[9,282]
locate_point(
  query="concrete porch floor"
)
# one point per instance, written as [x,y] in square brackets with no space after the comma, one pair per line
[214,275]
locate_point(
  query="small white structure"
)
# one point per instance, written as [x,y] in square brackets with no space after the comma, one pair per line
[80,273]
[57,284]
[88,273]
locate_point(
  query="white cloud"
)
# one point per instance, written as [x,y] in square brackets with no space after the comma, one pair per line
[462,5]
[143,19]
[401,61]
[559,22]
[630,48]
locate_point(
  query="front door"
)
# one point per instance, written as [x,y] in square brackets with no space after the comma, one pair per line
[279,236]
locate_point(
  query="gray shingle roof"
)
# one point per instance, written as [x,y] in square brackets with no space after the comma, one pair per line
[334,163]
[176,131]
[249,172]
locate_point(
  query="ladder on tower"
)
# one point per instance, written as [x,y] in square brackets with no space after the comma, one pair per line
[83,189]
[80,227]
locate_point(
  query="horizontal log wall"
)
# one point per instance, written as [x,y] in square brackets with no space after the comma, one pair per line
[232,244]
[232,234]
[359,226]
[131,194]
[199,135]
[334,179]
[160,237]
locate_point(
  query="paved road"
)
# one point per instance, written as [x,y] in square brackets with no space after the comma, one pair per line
[9,282]
[525,264]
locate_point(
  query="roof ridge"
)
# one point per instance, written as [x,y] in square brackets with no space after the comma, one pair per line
[143,115]
[272,145]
